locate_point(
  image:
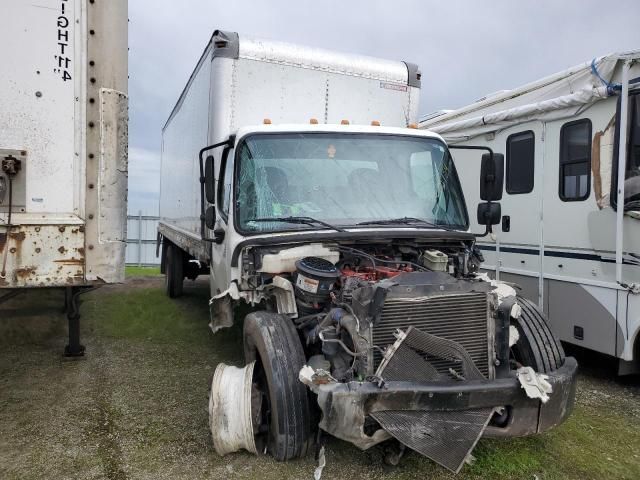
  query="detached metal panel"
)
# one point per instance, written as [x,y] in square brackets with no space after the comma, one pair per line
[64,120]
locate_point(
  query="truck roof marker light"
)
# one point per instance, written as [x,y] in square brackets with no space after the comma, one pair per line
[412,125]
[267,121]
[313,121]
[375,123]
[344,122]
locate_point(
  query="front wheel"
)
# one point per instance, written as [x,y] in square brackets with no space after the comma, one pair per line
[537,346]
[280,399]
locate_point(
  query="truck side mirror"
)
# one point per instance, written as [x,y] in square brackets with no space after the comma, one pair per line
[210,217]
[491,177]
[209,180]
[489,214]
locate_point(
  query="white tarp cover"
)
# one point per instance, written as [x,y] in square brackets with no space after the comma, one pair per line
[557,96]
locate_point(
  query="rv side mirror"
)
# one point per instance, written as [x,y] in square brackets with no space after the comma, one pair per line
[209,180]
[210,217]
[489,213]
[491,177]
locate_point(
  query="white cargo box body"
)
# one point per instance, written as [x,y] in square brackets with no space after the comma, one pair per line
[63,116]
[240,81]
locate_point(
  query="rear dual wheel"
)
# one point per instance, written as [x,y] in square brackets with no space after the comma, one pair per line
[174,270]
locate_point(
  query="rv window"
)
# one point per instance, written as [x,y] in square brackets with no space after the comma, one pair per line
[575,160]
[520,162]
[632,170]
[633,162]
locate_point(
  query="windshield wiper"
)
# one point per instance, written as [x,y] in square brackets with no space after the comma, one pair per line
[298,220]
[405,221]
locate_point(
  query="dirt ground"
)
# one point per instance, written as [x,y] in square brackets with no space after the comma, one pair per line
[136,405]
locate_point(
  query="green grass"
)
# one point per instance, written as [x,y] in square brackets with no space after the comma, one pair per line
[148,316]
[591,444]
[132,271]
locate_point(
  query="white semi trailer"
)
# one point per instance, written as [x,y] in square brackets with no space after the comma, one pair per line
[63,148]
[570,232]
[292,177]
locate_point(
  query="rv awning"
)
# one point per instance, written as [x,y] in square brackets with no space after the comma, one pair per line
[561,95]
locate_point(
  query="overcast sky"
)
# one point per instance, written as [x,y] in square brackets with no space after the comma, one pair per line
[465,49]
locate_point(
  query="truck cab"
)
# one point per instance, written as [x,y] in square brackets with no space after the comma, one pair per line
[295,183]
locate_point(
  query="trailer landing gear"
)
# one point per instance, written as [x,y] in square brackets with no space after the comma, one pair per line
[71,306]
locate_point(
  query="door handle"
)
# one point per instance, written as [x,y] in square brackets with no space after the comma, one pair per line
[506,223]
[218,235]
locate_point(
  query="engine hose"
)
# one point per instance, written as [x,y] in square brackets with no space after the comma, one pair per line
[351,324]
[307,318]
[373,259]
[341,343]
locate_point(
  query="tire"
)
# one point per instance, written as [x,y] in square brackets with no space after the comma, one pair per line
[537,347]
[273,342]
[174,266]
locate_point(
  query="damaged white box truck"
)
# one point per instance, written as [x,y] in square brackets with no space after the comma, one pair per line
[63,148]
[295,178]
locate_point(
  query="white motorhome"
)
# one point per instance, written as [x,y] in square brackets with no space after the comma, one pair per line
[562,237]
[63,148]
[292,176]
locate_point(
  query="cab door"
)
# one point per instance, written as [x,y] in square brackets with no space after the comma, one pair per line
[222,233]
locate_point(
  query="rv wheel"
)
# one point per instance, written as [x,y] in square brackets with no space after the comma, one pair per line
[174,270]
[537,346]
[282,426]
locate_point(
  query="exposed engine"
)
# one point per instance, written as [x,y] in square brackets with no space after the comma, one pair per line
[349,310]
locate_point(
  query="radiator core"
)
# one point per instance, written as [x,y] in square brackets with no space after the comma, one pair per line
[461,317]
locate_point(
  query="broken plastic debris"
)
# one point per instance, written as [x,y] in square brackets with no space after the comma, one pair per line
[306,375]
[502,290]
[514,335]
[309,376]
[322,461]
[535,384]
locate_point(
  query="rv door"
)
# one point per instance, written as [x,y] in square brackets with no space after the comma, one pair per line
[521,230]
[514,251]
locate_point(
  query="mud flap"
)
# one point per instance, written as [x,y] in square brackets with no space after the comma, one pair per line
[448,436]
[221,308]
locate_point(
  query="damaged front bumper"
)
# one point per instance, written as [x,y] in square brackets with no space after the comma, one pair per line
[346,407]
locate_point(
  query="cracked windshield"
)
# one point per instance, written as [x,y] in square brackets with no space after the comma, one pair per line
[308,180]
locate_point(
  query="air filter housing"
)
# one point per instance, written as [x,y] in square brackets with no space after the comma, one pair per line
[314,279]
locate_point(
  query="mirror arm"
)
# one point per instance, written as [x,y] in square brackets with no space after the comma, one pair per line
[228,142]
[471,147]
[488,226]
[487,231]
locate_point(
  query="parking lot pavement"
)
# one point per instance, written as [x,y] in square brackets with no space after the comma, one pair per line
[136,405]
